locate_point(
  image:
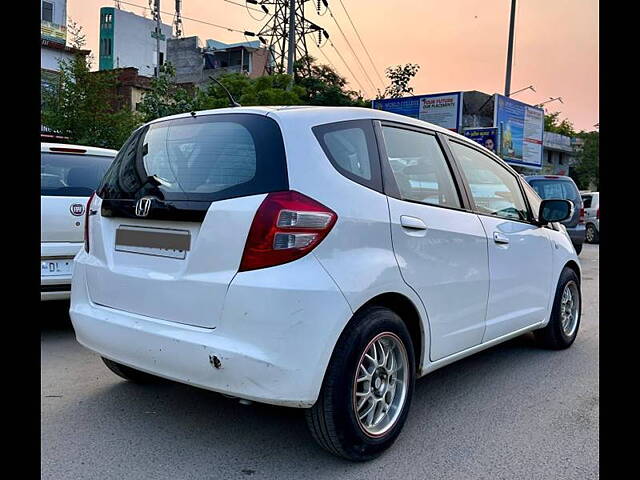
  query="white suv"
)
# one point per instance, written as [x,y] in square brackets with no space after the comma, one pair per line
[68,176]
[318,258]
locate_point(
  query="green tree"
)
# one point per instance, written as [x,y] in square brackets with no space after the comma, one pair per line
[586,171]
[324,86]
[399,77]
[266,90]
[82,105]
[553,124]
[165,98]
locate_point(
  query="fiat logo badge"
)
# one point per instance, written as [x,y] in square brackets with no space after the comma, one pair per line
[76,209]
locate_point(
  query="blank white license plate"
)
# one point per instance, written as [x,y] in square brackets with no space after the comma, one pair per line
[156,252]
[58,267]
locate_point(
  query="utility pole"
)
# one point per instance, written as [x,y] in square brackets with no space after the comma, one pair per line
[156,34]
[292,37]
[507,82]
[178,20]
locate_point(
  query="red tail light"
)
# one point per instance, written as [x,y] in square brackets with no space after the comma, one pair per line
[581,220]
[598,213]
[86,223]
[287,226]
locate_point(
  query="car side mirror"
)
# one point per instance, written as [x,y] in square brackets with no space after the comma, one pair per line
[554,210]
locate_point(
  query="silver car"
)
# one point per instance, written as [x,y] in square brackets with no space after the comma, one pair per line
[591,202]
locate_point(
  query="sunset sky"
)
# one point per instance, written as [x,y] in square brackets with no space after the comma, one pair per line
[459,44]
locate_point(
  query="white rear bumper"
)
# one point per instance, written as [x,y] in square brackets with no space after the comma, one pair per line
[275,338]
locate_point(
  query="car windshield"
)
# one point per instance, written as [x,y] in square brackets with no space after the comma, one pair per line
[555,188]
[70,175]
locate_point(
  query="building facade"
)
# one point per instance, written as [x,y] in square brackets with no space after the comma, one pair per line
[129,87]
[129,40]
[53,48]
[558,154]
[195,63]
[53,38]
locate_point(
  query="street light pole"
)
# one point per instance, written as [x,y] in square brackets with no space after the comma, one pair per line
[507,82]
[530,87]
[551,99]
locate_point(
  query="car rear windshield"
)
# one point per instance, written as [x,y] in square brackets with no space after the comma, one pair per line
[69,175]
[555,188]
[207,158]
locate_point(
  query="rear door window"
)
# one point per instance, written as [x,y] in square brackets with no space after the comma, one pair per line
[587,200]
[208,158]
[419,167]
[69,175]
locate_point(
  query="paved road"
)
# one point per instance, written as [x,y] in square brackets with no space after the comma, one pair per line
[510,412]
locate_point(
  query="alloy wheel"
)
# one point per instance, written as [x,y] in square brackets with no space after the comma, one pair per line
[380,385]
[569,305]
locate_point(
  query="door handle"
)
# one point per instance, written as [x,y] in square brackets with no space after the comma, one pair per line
[412,223]
[499,238]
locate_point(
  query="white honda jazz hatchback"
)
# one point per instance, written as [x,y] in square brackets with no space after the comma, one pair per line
[318,258]
[69,174]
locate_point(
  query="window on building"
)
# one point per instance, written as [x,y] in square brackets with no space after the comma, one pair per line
[107,21]
[47,11]
[105,47]
[560,159]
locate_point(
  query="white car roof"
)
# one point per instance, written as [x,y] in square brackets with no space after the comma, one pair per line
[80,149]
[311,115]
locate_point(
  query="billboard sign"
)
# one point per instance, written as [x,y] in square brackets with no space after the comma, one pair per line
[520,132]
[487,137]
[442,109]
[53,32]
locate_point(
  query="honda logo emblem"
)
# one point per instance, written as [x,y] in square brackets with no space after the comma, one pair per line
[143,206]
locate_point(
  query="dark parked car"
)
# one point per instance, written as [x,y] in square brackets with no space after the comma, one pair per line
[556,186]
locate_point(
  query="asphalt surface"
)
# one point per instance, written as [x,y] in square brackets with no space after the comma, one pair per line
[513,411]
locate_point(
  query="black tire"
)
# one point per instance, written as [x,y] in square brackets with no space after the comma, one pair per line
[578,247]
[129,373]
[553,336]
[332,420]
[592,235]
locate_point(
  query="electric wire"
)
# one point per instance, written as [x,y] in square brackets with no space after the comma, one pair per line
[348,68]
[327,58]
[187,18]
[248,10]
[362,43]
[350,47]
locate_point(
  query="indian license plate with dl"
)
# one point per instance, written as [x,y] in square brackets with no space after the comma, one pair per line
[53,268]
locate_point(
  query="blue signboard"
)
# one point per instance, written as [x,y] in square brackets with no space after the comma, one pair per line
[442,109]
[487,137]
[520,129]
